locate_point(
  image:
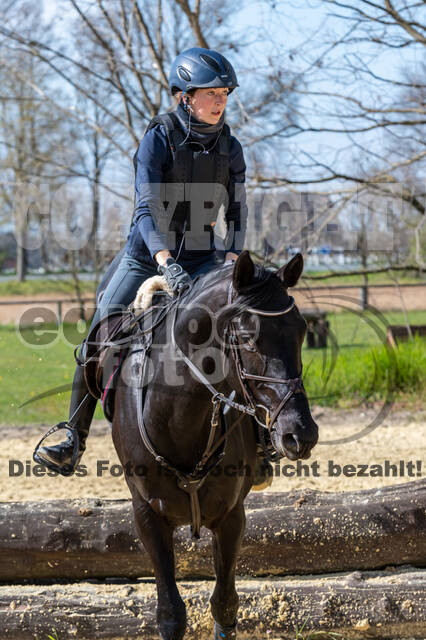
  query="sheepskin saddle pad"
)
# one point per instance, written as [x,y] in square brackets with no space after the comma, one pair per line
[147,290]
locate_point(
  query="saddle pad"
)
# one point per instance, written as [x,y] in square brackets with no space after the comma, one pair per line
[101,354]
[108,344]
[147,290]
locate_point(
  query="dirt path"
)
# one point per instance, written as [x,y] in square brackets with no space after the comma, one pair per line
[380,297]
[18,308]
[400,440]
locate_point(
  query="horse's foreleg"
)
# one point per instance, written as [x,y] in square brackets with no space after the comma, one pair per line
[226,545]
[157,538]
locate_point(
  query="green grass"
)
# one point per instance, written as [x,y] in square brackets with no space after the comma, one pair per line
[354,367]
[358,366]
[32,364]
[302,634]
[365,329]
[361,374]
[373,279]
[43,286]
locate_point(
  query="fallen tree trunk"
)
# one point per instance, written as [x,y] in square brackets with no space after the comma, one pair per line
[357,605]
[287,533]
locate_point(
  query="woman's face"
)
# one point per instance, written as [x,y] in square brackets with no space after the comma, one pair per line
[207,105]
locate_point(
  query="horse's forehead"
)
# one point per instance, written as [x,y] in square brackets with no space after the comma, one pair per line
[216,296]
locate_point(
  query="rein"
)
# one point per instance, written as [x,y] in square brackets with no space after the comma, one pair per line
[191,482]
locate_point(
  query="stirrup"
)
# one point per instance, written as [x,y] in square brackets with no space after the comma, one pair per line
[80,354]
[66,470]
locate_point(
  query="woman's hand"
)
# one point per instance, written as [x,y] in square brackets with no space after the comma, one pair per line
[176,277]
[161,256]
[230,257]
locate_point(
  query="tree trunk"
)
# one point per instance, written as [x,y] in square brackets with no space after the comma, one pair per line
[76,280]
[287,533]
[95,208]
[356,605]
[21,258]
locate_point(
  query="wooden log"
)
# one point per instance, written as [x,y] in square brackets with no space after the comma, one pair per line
[399,332]
[355,605]
[299,532]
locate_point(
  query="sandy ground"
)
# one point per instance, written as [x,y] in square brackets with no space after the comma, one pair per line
[326,298]
[394,452]
[382,298]
[399,439]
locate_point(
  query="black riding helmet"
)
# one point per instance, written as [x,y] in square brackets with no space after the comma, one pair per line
[199,68]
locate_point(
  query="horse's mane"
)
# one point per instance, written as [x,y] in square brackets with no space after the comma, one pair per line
[257,294]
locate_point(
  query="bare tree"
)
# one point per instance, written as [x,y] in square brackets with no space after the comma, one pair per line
[289,98]
[133,45]
[374,113]
[32,139]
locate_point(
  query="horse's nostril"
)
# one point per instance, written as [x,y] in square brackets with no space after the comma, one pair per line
[291,443]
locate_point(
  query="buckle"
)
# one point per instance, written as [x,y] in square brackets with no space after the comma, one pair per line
[267,423]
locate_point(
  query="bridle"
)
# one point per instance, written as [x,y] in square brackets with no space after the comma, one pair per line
[234,346]
[295,385]
[191,482]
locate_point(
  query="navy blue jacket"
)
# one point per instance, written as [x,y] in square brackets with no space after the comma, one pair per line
[153,160]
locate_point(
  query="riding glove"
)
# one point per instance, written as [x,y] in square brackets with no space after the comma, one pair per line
[177,279]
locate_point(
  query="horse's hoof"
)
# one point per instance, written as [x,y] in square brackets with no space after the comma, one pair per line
[225,633]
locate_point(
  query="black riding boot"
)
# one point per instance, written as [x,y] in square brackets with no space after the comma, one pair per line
[59,457]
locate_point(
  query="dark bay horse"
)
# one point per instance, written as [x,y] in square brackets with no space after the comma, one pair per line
[242,332]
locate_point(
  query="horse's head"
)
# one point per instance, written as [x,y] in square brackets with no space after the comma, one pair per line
[267,333]
[243,333]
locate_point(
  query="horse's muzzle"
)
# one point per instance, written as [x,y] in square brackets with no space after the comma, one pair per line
[295,442]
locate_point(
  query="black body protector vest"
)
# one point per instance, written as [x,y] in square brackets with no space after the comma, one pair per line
[193,189]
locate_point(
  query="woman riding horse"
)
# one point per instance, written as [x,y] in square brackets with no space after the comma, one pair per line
[188,435]
[190,147]
[237,341]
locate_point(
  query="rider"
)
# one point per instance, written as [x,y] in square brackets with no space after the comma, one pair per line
[192,142]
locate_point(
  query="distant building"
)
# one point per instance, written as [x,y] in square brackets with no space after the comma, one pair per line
[280,221]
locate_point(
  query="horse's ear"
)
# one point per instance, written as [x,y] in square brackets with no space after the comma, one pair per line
[290,273]
[243,273]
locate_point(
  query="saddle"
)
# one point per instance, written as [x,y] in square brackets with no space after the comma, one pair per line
[106,348]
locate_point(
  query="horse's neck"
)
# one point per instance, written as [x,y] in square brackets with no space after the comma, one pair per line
[212,300]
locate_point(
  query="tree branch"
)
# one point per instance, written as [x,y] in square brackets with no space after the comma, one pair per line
[194,21]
